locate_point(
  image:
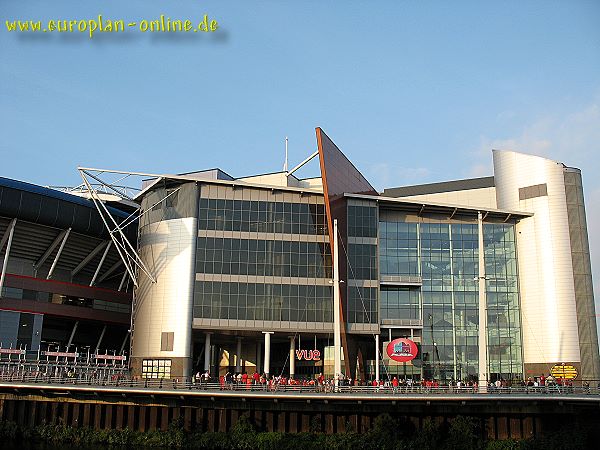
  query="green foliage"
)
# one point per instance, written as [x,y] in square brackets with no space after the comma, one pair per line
[506,444]
[315,425]
[464,434]
[270,441]
[387,433]
[217,441]
[8,430]
[427,438]
[243,434]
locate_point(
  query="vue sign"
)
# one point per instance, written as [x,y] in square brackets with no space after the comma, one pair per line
[308,355]
[402,350]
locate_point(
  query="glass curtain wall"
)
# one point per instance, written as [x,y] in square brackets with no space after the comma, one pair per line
[362,262]
[267,259]
[445,256]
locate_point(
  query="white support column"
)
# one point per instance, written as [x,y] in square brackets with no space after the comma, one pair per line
[122,281]
[9,239]
[40,262]
[124,342]
[337,333]
[106,250]
[267,361]
[482,341]
[377,358]
[292,356]
[259,358]
[89,257]
[110,271]
[72,334]
[58,253]
[100,338]
[238,356]
[207,351]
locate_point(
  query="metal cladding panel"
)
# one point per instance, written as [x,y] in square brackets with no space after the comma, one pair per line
[64,288]
[52,208]
[65,311]
[339,174]
[168,248]
[582,274]
[548,304]
[339,177]
[9,328]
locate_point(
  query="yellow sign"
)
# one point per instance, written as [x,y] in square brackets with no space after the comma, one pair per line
[564,371]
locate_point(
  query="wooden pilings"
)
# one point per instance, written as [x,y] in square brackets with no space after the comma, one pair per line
[220,416]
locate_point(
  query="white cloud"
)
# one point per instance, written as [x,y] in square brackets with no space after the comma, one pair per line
[573,138]
[384,175]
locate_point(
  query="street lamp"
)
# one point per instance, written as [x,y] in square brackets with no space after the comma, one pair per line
[434,346]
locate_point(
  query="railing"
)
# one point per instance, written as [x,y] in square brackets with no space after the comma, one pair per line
[117,381]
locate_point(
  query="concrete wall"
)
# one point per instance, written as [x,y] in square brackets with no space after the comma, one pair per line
[482,198]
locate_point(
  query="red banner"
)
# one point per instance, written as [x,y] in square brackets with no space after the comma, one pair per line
[61,354]
[111,357]
[12,351]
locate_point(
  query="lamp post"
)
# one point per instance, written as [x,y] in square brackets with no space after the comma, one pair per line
[482,341]
[434,346]
[337,334]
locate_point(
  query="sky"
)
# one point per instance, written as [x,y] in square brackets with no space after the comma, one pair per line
[411,91]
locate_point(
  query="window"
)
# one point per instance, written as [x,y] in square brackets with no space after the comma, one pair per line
[538,190]
[156,368]
[166,341]
[171,198]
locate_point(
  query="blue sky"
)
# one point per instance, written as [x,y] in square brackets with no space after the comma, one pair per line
[412,91]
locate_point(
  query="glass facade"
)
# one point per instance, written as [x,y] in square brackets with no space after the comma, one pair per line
[362,262]
[400,303]
[445,256]
[504,321]
[264,259]
[257,301]
[362,304]
[262,216]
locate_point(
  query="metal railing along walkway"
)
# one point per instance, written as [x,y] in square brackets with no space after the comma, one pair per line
[157,385]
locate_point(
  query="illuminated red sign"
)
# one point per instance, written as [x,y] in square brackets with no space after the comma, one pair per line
[309,355]
[402,350]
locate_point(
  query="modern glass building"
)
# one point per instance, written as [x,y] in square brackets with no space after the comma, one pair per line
[242,275]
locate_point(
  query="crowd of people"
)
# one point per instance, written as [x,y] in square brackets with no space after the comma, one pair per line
[257,381]
[318,383]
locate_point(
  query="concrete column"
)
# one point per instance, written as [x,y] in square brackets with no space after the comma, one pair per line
[207,351]
[238,356]
[259,357]
[292,356]
[377,357]
[267,361]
